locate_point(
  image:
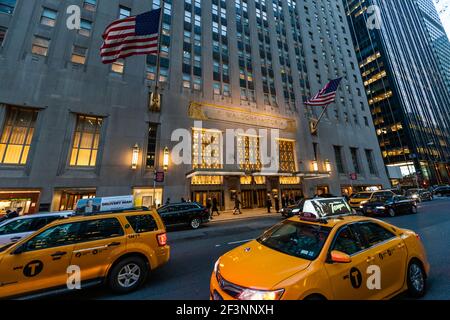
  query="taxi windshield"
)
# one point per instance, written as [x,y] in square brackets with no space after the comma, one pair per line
[296,239]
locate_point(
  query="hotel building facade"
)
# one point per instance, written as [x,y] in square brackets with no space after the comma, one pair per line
[74,128]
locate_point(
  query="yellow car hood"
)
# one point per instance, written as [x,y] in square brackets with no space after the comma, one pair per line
[254,265]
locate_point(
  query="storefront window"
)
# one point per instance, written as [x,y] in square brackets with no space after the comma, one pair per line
[17,134]
[148,197]
[289,180]
[207,180]
[86,141]
[207,149]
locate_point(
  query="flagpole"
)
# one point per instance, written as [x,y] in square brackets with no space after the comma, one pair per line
[155,104]
[316,123]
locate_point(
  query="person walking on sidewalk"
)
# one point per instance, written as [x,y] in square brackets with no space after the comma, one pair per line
[208,206]
[237,206]
[268,204]
[277,204]
[215,207]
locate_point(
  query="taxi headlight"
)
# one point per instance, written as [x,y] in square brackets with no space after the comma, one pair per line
[249,294]
[296,211]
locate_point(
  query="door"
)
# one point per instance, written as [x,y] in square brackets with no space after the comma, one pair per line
[348,280]
[101,241]
[246,199]
[42,262]
[168,214]
[390,255]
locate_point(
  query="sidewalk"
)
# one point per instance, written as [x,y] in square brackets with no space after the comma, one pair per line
[227,215]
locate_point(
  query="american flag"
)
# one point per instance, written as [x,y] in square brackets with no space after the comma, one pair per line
[325,96]
[131,36]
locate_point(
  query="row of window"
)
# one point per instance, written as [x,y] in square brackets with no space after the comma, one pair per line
[355,157]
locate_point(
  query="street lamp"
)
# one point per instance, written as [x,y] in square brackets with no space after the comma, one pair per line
[328,165]
[166,159]
[135,157]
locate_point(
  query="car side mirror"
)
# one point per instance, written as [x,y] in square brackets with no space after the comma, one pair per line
[340,257]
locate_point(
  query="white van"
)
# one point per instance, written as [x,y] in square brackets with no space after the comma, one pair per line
[15,229]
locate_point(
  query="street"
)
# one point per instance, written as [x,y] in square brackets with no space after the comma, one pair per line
[186,276]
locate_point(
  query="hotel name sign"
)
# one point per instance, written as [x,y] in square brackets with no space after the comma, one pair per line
[199,111]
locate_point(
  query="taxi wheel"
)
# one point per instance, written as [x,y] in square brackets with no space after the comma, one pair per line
[392,212]
[127,275]
[416,279]
[195,223]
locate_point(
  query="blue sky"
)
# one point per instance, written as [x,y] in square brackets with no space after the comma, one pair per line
[443,7]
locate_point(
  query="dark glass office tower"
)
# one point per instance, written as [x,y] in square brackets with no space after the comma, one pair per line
[407,94]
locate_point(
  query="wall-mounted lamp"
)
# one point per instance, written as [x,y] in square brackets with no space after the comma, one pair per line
[166,159]
[315,165]
[135,157]
[328,165]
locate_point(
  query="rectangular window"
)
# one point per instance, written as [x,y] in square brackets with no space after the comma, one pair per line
[124,12]
[86,141]
[338,156]
[90,5]
[40,46]
[151,147]
[117,66]
[143,223]
[48,17]
[249,154]
[7,6]
[100,229]
[370,162]
[16,135]
[207,149]
[354,153]
[79,55]
[85,28]
[287,155]
[2,35]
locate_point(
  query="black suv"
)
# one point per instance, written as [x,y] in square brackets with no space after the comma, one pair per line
[191,213]
[442,191]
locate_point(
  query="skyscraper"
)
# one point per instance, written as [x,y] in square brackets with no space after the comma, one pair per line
[75,128]
[407,94]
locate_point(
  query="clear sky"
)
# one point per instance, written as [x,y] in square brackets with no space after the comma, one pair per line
[443,7]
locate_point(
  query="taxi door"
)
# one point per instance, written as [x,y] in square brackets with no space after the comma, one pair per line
[39,263]
[348,280]
[389,253]
[102,241]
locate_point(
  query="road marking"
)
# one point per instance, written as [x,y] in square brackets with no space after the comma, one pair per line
[234,242]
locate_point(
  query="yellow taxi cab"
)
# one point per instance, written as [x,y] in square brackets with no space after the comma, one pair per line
[115,248]
[347,257]
[359,199]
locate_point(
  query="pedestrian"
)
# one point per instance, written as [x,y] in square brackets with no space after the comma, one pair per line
[277,204]
[215,207]
[284,201]
[183,200]
[268,204]
[168,201]
[13,214]
[237,206]
[208,206]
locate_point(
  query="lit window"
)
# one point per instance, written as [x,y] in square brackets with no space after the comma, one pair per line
[249,155]
[40,46]
[48,17]
[286,155]
[151,147]
[79,55]
[117,66]
[206,149]
[86,141]
[17,135]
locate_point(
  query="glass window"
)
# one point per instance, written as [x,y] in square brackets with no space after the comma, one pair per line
[100,229]
[338,156]
[86,141]
[249,153]
[56,236]
[48,17]
[369,157]
[347,242]
[124,12]
[2,35]
[17,135]
[7,6]
[142,224]
[85,28]
[287,155]
[207,149]
[79,55]
[355,160]
[90,5]
[118,66]
[151,147]
[40,46]
[374,233]
[24,225]
[296,239]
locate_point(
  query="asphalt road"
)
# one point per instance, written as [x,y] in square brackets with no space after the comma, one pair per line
[186,276]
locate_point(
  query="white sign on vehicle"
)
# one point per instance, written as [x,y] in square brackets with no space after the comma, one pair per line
[327,207]
[104,204]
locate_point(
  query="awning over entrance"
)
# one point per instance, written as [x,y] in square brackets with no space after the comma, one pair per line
[309,175]
[222,173]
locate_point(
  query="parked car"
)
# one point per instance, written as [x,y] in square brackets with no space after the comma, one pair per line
[442,191]
[419,195]
[389,206]
[15,229]
[293,209]
[357,200]
[191,213]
